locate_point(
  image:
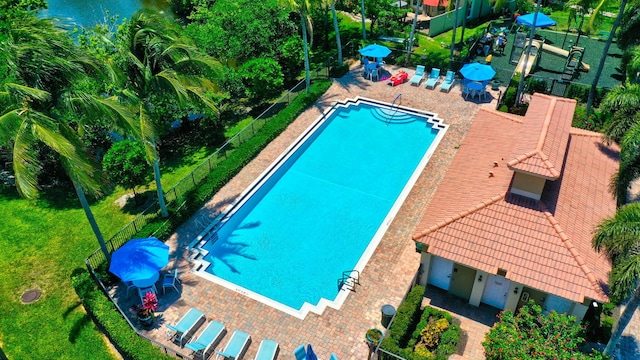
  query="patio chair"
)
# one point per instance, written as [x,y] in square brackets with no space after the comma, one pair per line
[170,280]
[433,78]
[300,353]
[448,81]
[415,80]
[208,339]
[267,350]
[187,324]
[129,285]
[236,346]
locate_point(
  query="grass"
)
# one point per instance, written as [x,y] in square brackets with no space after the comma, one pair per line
[42,243]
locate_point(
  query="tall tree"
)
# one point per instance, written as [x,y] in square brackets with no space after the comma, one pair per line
[603,58]
[42,102]
[158,61]
[619,238]
[364,28]
[622,104]
[336,28]
[413,32]
[629,169]
[302,7]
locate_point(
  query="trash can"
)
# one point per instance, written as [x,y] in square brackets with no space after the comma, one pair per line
[388,312]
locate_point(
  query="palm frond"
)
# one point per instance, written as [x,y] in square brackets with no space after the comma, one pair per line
[26,92]
[169,80]
[9,125]
[618,234]
[25,162]
[625,278]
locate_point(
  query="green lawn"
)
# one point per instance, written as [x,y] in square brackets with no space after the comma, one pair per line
[41,245]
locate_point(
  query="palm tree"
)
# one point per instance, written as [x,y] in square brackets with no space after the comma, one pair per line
[413,32]
[336,28]
[158,61]
[364,29]
[629,164]
[302,7]
[40,105]
[619,237]
[603,58]
[623,103]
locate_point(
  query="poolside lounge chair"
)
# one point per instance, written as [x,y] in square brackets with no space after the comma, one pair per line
[236,346]
[300,353]
[267,350]
[187,324]
[415,80]
[448,81]
[433,78]
[208,339]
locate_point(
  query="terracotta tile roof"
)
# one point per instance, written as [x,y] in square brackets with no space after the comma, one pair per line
[544,136]
[545,244]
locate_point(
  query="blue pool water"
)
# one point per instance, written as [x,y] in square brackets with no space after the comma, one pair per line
[319,210]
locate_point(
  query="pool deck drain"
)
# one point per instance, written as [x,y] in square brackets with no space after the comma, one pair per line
[30,296]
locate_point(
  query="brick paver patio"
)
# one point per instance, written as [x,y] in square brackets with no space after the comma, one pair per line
[388,274]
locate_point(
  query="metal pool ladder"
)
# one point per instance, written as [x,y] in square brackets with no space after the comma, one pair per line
[349,280]
[390,114]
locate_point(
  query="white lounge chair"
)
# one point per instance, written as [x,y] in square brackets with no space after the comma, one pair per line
[433,78]
[186,325]
[415,79]
[208,339]
[236,346]
[267,350]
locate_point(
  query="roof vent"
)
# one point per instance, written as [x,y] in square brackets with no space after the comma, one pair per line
[490,173]
[495,164]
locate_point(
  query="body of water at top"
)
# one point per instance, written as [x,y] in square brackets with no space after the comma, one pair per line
[90,13]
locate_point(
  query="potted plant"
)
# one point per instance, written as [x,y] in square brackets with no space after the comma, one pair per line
[374,336]
[495,84]
[145,311]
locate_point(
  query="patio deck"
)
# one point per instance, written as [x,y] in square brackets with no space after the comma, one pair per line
[388,274]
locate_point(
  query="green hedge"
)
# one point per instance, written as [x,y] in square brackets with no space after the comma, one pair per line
[104,313]
[410,321]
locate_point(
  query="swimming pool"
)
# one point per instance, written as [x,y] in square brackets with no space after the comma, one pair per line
[322,207]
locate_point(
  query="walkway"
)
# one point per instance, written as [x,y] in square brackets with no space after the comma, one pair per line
[389,273]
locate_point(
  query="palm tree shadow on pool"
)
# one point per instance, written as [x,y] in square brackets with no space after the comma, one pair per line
[230,250]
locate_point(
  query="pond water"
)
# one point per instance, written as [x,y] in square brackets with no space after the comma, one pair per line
[90,13]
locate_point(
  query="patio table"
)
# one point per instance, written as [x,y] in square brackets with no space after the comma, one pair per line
[143,283]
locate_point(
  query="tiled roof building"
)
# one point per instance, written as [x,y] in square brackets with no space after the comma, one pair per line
[521,200]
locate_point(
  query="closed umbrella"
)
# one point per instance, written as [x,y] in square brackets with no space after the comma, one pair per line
[477,72]
[139,259]
[375,51]
[310,354]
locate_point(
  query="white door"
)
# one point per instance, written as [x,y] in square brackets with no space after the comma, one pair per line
[560,305]
[440,274]
[495,291]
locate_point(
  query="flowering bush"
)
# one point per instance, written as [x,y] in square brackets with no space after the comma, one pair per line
[533,335]
[148,307]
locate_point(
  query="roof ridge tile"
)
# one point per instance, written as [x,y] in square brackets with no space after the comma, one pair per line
[568,244]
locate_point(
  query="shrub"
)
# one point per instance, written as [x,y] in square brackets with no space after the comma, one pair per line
[536,86]
[111,322]
[606,326]
[404,335]
[531,335]
[607,308]
[430,335]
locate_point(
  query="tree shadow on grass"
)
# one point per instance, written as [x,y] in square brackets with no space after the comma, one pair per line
[80,324]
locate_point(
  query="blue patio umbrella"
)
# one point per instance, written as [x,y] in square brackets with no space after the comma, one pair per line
[310,354]
[375,51]
[541,21]
[139,259]
[477,72]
